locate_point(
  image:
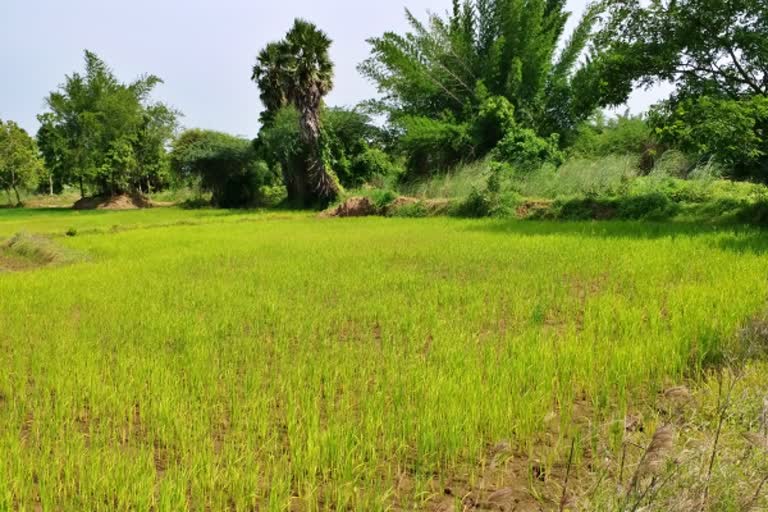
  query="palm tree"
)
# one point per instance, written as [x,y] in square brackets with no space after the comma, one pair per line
[299,71]
[270,75]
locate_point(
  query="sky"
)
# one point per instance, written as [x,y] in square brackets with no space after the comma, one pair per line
[203,50]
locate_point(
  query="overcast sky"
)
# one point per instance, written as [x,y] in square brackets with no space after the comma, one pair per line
[202,49]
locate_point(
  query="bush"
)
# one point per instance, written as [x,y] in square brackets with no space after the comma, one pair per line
[485,203]
[651,206]
[495,119]
[272,195]
[585,208]
[417,209]
[372,164]
[755,213]
[382,198]
[527,151]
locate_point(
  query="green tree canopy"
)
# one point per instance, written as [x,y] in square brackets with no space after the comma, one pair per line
[715,52]
[444,69]
[348,134]
[225,165]
[106,135]
[704,47]
[20,161]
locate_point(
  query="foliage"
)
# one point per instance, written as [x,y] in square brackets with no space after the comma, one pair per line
[454,183]
[527,151]
[705,47]
[225,165]
[20,162]
[351,142]
[622,135]
[433,144]
[104,134]
[439,80]
[732,132]
[370,165]
[189,345]
[298,71]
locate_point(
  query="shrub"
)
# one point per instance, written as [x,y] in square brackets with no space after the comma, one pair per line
[755,213]
[372,164]
[586,208]
[382,198]
[673,163]
[417,209]
[495,119]
[272,195]
[485,203]
[651,206]
[527,151]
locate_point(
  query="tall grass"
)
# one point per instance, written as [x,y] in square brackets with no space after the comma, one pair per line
[601,176]
[455,183]
[297,363]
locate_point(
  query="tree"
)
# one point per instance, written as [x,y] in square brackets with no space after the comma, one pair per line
[705,47]
[225,165]
[299,71]
[20,162]
[731,132]
[436,79]
[716,54]
[348,133]
[103,134]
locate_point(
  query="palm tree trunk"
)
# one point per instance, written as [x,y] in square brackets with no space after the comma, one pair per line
[323,185]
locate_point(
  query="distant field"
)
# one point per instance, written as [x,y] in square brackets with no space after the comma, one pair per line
[281,362]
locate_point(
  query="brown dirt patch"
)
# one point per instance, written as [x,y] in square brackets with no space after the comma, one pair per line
[402,201]
[353,207]
[533,208]
[11,263]
[364,207]
[119,202]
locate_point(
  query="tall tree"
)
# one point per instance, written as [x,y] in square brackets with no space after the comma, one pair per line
[715,52]
[704,47]
[298,71]
[104,134]
[504,48]
[20,162]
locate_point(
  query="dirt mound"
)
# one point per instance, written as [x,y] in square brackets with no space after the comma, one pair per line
[25,252]
[353,207]
[119,202]
[364,207]
[534,209]
[403,201]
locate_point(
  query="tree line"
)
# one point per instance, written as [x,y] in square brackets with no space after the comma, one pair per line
[498,79]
